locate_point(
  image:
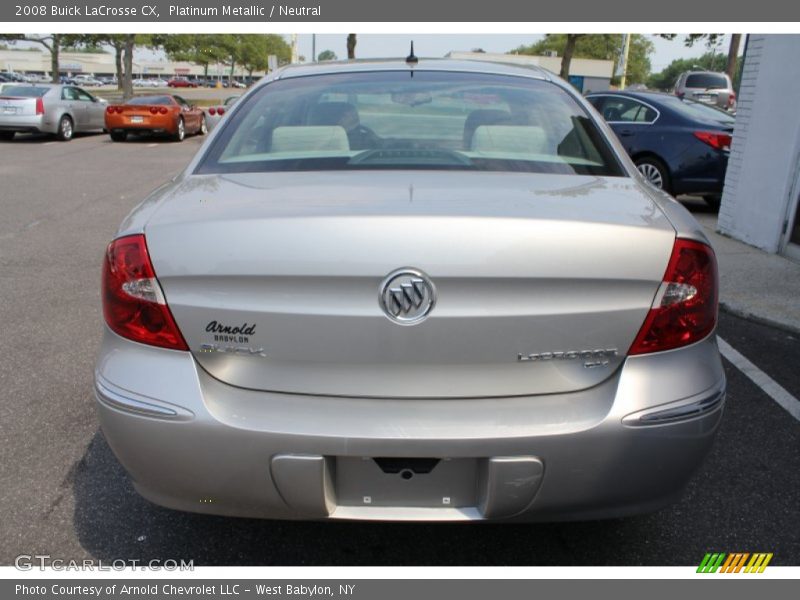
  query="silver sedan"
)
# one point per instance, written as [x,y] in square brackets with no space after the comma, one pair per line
[432,290]
[59,109]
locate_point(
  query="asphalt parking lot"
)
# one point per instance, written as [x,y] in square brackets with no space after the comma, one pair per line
[63,493]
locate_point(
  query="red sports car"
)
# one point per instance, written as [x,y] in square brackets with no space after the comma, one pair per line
[166,114]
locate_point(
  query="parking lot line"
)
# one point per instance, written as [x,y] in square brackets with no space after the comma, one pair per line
[152,145]
[768,385]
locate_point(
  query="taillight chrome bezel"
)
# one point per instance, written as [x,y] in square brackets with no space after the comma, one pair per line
[134,305]
[686,305]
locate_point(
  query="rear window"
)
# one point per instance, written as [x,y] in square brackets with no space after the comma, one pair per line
[393,120]
[697,110]
[707,81]
[150,100]
[25,91]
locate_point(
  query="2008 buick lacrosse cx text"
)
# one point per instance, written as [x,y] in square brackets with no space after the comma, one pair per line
[410,290]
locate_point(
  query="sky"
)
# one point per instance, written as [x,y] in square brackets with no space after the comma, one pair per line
[383,45]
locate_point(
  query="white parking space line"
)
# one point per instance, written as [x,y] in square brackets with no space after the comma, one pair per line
[48,143]
[152,145]
[769,386]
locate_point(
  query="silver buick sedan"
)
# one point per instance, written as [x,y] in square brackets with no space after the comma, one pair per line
[431,290]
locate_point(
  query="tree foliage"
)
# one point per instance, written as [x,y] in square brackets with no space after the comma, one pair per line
[599,46]
[326,55]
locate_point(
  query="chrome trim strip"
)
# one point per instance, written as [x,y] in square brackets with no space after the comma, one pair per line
[128,403]
[658,112]
[683,410]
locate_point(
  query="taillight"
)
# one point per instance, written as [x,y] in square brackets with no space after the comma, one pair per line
[212,111]
[39,106]
[119,110]
[732,100]
[220,111]
[685,307]
[719,141]
[153,110]
[133,303]
[110,110]
[163,110]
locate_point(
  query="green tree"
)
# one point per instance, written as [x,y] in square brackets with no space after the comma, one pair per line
[201,49]
[326,55]
[124,45]
[351,45]
[712,40]
[600,46]
[254,51]
[710,61]
[51,42]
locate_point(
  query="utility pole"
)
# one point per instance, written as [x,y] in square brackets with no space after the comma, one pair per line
[294,48]
[314,47]
[623,63]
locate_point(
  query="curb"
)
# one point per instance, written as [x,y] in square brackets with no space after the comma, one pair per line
[745,314]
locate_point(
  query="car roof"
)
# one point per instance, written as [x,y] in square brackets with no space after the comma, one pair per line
[639,94]
[423,64]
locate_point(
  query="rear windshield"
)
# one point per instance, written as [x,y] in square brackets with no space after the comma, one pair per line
[25,91]
[400,120]
[707,81]
[697,110]
[150,100]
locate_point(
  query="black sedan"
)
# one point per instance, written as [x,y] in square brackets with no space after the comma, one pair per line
[680,146]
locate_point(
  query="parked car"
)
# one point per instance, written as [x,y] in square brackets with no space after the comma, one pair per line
[161,115]
[215,113]
[86,81]
[678,145]
[440,297]
[62,110]
[181,82]
[707,87]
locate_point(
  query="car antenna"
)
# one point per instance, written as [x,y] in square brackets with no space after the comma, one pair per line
[411,59]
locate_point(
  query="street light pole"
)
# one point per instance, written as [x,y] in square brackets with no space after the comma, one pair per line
[626,47]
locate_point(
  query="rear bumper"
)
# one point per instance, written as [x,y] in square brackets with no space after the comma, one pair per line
[29,124]
[193,443]
[153,124]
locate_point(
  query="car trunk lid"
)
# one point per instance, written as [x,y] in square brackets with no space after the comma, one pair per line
[542,281]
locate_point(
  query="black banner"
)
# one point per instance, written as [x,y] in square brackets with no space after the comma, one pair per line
[355,11]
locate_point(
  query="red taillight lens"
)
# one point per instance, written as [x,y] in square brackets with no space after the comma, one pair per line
[719,141]
[732,100]
[212,111]
[163,110]
[133,303]
[119,110]
[685,308]
[220,111]
[110,110]
[153,110]
[39,106]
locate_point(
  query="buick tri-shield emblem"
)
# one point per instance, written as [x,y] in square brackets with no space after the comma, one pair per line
[407,296]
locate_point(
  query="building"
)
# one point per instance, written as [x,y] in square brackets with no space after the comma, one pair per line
[762,184]
[102,64]
[586,74]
